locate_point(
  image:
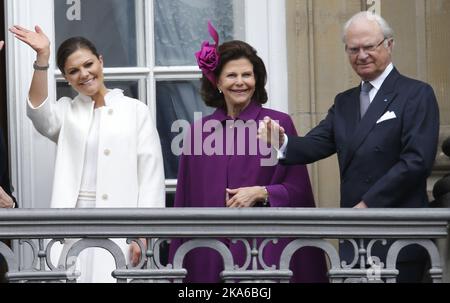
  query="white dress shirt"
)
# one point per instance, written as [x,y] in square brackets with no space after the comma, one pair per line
[377,83]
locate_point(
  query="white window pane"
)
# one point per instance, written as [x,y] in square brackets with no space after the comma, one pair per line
[181,26]
[110,24]
[176,101]
[130,88]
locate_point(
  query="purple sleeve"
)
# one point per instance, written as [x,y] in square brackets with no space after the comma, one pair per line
[182,188]
[181,199]
[291,186]
[183,191]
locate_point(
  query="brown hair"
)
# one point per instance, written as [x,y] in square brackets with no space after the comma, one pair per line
[234,50]
[70,46]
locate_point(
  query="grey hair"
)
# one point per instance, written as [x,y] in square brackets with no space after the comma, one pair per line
[385,27]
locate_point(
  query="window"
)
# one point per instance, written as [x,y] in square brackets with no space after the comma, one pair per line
[111,24]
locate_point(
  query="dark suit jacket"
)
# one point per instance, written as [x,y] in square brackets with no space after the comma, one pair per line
[384,164]
[5,184]
[4,172]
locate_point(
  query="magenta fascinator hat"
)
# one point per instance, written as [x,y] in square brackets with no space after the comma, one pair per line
[208,57]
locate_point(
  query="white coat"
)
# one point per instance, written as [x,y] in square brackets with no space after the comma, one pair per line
[130,164]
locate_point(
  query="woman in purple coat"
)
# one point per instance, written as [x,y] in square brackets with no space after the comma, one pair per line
[229,168]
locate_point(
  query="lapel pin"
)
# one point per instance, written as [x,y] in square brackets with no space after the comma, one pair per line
[385,100]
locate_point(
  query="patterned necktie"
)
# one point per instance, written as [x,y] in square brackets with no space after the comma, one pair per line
[364,98]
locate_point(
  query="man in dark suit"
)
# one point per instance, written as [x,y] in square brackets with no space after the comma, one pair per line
[6,199]
[385,133]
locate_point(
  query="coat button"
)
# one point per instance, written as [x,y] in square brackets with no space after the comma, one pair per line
[105,197]
[110,111]
[107,152]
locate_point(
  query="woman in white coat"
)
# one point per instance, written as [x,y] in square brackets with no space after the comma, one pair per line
[108,149]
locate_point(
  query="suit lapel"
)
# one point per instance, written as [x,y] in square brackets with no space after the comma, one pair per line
[352,115]
[381,102]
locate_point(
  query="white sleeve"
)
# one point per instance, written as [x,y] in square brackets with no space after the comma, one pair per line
[281,153]
[46,118]
[150,162]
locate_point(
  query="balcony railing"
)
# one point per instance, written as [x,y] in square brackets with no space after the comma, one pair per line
[40,229]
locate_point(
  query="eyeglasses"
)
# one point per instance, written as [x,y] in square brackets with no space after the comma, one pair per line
[366,49]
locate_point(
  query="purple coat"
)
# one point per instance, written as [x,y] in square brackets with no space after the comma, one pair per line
[202,180]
